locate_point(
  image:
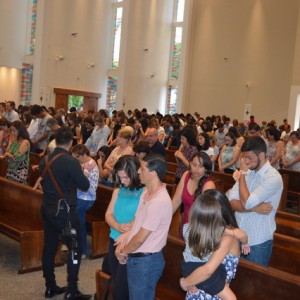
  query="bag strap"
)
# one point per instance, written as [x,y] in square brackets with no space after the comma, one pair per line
[47,169]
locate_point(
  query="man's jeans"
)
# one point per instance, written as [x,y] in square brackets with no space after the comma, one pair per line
[261,253]
[143,274]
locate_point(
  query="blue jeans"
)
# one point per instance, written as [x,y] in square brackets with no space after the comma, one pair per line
[143,274]
[261,253]
[82,207]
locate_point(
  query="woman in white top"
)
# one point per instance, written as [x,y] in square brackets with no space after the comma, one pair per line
[123,148]
[291,156]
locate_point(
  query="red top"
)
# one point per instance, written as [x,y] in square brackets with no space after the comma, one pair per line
[187,198]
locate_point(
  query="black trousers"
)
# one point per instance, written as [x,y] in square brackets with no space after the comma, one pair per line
[119,274]
[52,230]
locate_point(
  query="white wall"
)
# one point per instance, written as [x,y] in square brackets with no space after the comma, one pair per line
[13,22]
[91,21]
[149,28]
[258,40]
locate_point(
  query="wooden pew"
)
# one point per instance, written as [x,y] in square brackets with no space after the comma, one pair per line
[286,254]
[292,200]
[170,156]
[169,177]
[96,224]
[252,281]
[172,166]
[226,179]
[288,224]
[20,220]
[3,167]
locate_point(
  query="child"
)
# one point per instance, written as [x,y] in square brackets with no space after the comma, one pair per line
[210,237]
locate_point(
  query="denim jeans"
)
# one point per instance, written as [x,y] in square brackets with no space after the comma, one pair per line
[261,253]
[143,274]
[82,207]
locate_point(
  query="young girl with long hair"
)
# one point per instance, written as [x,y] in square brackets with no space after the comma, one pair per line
[212,248]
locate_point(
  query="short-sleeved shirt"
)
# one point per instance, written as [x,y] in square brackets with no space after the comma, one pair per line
[154,215]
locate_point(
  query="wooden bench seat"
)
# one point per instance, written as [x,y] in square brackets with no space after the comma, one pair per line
[95,218]
[252,281]
[288,224]
[170,157]
[226,179]
[286,254]
[20,220]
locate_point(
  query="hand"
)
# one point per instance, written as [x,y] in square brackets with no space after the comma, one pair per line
[178,154]
[236,175]
[243,166]
[264,208]
[245,249]
[121,241]
[124,227]
[221,169]
[122,258]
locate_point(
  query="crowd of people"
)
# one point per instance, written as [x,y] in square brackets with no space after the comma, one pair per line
[127,152]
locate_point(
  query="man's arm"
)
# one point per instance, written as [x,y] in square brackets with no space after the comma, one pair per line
[136,242]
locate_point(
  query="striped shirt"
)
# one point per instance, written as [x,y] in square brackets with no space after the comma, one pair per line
[265,185]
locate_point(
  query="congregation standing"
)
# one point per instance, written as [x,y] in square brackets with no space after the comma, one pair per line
[128,152]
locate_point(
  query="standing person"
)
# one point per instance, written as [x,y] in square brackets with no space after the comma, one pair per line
[17,153]
[291,155]
[85,200]
[193,183]
[186,152]
[143,250]
[11,114]
[255,198]
[5,136]
[68,174]
[276,147]
[98,137]
[120,215]
[87,129]
[123,148]
[229,155]
[211,243]
[40,139]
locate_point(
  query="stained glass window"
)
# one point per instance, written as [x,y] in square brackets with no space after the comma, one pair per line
[33,26]
[111,93]
[26,83]
[175,56]
[117,38]
[176,53]
[172,98]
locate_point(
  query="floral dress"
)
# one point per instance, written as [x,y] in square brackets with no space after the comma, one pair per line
[227,156]
[18,165]
[230,262]
[292,151]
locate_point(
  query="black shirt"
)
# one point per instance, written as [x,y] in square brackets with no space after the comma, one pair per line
[159,148]
[68,174]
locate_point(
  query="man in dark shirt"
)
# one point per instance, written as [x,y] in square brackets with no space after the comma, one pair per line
[155,145]
[68,174]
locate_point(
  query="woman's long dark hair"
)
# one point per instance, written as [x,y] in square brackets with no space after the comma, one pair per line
[22,131]
[130,165]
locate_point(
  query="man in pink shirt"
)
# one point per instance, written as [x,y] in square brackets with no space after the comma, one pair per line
[143,251]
